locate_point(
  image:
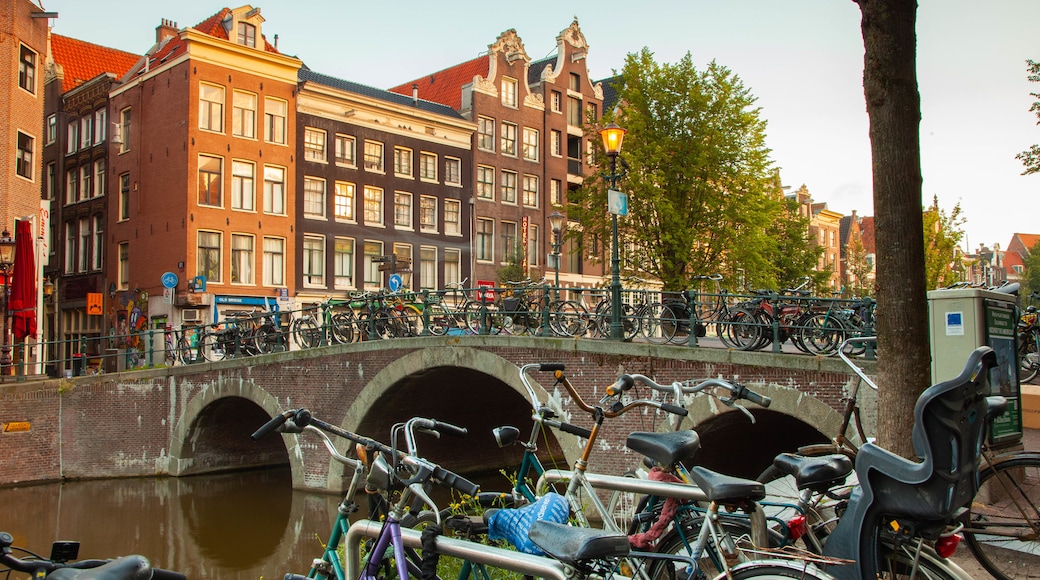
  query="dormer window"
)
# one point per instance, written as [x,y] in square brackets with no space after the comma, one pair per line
[247,34]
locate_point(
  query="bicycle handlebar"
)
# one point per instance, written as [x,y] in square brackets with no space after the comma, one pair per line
[125,567]
[737,390]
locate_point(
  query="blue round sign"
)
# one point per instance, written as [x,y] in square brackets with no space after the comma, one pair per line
[394,282]
[169,280]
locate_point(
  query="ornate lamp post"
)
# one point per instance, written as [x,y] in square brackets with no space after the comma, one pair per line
[6,263]
[556,220]
[612,136]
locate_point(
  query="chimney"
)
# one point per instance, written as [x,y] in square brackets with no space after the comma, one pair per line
[415,94]
[167,29]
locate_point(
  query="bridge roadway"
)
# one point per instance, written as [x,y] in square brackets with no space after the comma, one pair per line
[195,419]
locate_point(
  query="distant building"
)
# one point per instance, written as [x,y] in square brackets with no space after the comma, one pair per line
[858,254]
[1018,251]
[824,230]
[986,265]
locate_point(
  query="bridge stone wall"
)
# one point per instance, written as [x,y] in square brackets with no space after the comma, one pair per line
[196,419]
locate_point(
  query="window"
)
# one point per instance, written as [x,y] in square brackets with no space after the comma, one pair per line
[210,172]
[428,213]
[241,259]
[533,250]
[247,34]
[485,239]
[211,107]
[343,263]
[452,269]
[313,197]
[402,210]
[243,115]
[373,205]
[590,111]
[52,129]
[402,162]
[508,139]
[313,261]
[555,100]
[100,178]
[530,144]
[575,82]
[346,150]
[343,204]
[508,187]
[427,268]
[452,217]
[27,69]
[428,166]
[83,253]
[70,247]
[574,111]
[510,245]
[274,262]
[52,176]
[274,190]
[209,256]
[124,265]
[485,182]
[403,252]
[555,198]
[509,92]
[555,143]
[530,190]
[243,188]
[86,132]
[276,112]
[124,130]
[124,196]
[452,171]
[86,181]
[24,159]
[100,125]
[373,156]
[373,277]
[314,145]
[72,137]
[97,255]
[486,133]
[72,186]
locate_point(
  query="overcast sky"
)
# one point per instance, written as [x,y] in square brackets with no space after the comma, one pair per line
[802,59]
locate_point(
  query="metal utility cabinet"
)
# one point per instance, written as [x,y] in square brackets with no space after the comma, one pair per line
[964,319]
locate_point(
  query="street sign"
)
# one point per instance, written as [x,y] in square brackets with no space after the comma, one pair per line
[617,202]
[94,307]
[394,282]
[169,280]
[168,295]
[485,291]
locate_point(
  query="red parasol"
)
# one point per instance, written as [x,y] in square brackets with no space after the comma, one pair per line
[22,305]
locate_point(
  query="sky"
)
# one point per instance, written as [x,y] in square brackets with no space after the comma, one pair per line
[801,59]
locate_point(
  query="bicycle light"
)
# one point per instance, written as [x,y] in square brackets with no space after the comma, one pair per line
[945,546]
[796,527]
[506,435]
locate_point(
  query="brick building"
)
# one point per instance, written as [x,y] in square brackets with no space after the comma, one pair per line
[824,230]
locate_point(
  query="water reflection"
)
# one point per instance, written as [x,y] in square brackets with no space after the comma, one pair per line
[244,525]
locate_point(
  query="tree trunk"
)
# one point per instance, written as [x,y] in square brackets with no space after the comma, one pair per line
[894,109]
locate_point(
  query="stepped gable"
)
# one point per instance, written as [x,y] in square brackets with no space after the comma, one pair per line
[82,61]
[308,75]
[212,26]
[445,86]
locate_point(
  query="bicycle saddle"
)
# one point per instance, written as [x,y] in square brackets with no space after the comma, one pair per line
[665,448]
[572,545]
[726,489]
[816,473]
[125,568]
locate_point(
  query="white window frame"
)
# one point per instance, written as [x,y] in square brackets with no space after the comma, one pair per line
[276,118]
[25,156]
[486,134]
[219,181]
[211,107]
[27,68]
[530,194]
[274,189]
[345,202]
[373,276]
[243,114]
[428,268]
[100,125]
[452,171]
[484,242]
[428,166]
[453,208]
[530,147]
[200,267]
[509,137]
[126,117]
[314,145]
[243,185]
[403,162]
[485,182]
[510,92]
[452,266]
[97,254]
[343,262]
[314,196]
[313,266]
[428,213]
[373,206]
[345,150]
[243,259]
[374,152]
[403,211]
[274,261]
[508,187]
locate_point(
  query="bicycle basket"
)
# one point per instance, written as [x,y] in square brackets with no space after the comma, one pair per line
[513,525]
[511,304]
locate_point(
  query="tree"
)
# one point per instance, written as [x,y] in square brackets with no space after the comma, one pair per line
[702,194]
[1031,157]
[1031,272]
[795,254]
[858,268]
[942,237]
[894,110]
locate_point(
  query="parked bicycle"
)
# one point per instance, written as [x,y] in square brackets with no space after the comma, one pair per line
[1028,340]
[62,564]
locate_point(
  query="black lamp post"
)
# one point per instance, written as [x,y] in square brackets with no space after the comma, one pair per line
[6,263]
[612,136]
[556,220]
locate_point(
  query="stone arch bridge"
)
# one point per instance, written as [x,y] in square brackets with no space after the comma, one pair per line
[197,419]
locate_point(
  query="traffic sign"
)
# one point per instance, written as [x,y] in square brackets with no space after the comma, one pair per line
[394,282]
[94,303]
[169,280]
[617,202]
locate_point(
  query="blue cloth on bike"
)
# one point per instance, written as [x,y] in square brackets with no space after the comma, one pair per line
[513,525]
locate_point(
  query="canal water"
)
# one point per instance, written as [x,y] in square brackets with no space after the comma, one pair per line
[244,525]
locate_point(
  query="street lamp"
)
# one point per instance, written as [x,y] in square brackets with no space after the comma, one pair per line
[612,136]
[556,220]
[6,262]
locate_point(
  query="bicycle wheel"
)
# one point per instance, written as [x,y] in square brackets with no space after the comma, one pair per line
[438,319]
[213,345]
[888,558]
[1028,361]
[661,323]
[775,569]
[679,542]
[306,332]
[1003,532]
[342,330]
[743,331]
[568,318]
[822,334]
[622,505]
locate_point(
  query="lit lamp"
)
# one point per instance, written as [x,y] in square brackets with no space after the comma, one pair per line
[556,220]
[613,136]
[6,263]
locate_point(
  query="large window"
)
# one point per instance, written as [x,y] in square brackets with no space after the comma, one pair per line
[86,132]
[485,182]
[276,112]
[510,245]
[314,145]
[313,260]
[274,190]
[97,255]
[452,266]
[428,166]
[402,162]
[427,268]
[72,137]
[210,178]
[124,196]
[428,213]
[485,239]
[243,185]
[211,107]
[452,171]
[242,258]
[24,159]
[373,205]
[555,143]
[486,133]
[452,217]
[100,125]
[508,187]
[125,117]
[313,197]
[83,257]
[346,150]
[247,34]
[533,249]
[373,156]
[209,256]
[274,262]
[86,181]
[124,265]
[509,92]
[243,115]
[530,144]
[27,69]
[343,263]
[555,195]
[100,178]
[373,276]
[402,210]
[52,129]
[72,186]
[574,111]
[508,139]
[530,190]
[555,98]
[70,247]
[343,204]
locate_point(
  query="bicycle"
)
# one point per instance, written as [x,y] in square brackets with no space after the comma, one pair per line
[1028,340]
[62,564]
[446,312]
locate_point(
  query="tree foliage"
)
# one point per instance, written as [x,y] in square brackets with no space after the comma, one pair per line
[943,234]
[1031,272]
[1030,158]
[702,193]
[858,268]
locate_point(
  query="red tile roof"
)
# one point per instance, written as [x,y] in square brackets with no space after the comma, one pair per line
[82,61]
[445,87]
[212,26]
